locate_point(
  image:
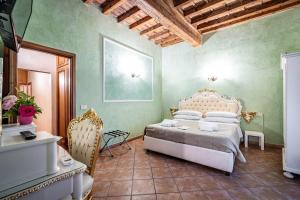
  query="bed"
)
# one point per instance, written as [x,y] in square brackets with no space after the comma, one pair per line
[217,150]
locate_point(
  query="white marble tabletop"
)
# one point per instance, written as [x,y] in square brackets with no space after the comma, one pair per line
[13,142]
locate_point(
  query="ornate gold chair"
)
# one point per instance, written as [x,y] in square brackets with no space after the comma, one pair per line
[84,135]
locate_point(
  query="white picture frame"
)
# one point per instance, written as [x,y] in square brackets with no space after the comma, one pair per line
[107,65]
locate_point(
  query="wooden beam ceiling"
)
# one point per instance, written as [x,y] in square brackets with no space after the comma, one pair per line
[151,29]
[259,10]
[223,11]
[109,5]
[140,22]
[175,41]
[205,7]
[167,15]
[180,3]
[128,13]
[160,34]
[160,40]
[167,22]
[167,39]
[246,18]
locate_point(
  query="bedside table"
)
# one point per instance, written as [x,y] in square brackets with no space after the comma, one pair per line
[258,134]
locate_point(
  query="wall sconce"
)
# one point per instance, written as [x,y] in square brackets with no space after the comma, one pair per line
[213,78]
[135,75]
[248,116]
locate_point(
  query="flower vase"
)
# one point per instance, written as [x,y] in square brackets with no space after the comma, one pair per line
[24,120]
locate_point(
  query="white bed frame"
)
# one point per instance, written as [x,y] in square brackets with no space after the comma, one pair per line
[203,101]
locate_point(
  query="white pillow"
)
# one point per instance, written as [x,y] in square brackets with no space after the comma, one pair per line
[188,112]
[189,117]
[221,114]
[221,119]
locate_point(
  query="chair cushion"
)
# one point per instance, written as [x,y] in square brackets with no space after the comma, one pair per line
[87,183]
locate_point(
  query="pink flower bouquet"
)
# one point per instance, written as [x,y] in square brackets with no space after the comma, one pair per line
[23,106]
[8,102]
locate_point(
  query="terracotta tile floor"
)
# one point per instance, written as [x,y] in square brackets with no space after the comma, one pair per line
[140,175]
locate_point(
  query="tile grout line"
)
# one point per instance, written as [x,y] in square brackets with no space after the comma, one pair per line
[153,180]
[177,187]
[173,177]
[133,169]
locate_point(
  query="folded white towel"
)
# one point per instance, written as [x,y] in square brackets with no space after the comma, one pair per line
[208,126]
[169,123]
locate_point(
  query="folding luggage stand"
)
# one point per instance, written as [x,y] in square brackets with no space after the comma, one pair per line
[113,135]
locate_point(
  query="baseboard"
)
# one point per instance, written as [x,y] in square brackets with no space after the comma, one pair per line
[276,146]
[128,140]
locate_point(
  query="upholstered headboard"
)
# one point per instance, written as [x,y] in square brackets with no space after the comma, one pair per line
[208,101]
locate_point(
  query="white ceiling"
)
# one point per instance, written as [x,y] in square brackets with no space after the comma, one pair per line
[36,60]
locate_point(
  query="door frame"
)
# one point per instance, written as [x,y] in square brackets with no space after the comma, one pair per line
[10,69]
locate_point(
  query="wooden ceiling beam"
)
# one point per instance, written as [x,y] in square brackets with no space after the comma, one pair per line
[248,14]
[128,14]
[172,42]
[180,3]
[166,14]
[140,22]
[223,11]
[160,34]
[160,40]
[166,39]
[205,7]
[110,5]
[151,29]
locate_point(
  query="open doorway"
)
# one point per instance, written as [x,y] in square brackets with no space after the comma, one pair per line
[38,84]
[48,75]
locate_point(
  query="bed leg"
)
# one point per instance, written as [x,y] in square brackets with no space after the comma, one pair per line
[227,173]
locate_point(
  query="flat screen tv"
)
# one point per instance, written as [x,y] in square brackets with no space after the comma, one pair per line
[14,18]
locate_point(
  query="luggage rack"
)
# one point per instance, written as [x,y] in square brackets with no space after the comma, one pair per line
[112,135]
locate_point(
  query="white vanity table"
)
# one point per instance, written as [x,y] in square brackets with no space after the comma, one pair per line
[32,169]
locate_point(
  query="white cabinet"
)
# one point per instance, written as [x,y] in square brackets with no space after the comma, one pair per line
[22,160]
[291,103]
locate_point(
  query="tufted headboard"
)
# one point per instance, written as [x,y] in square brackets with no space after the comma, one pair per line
[208,101]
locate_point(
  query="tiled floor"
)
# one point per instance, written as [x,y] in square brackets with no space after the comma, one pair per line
[140,175]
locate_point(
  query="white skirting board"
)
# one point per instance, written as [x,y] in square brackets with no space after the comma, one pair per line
[208,157]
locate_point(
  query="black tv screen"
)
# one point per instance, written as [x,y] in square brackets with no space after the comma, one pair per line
[14,18]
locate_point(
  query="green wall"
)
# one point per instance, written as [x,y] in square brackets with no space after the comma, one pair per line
[246,59]
[120,63]
[72,26]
